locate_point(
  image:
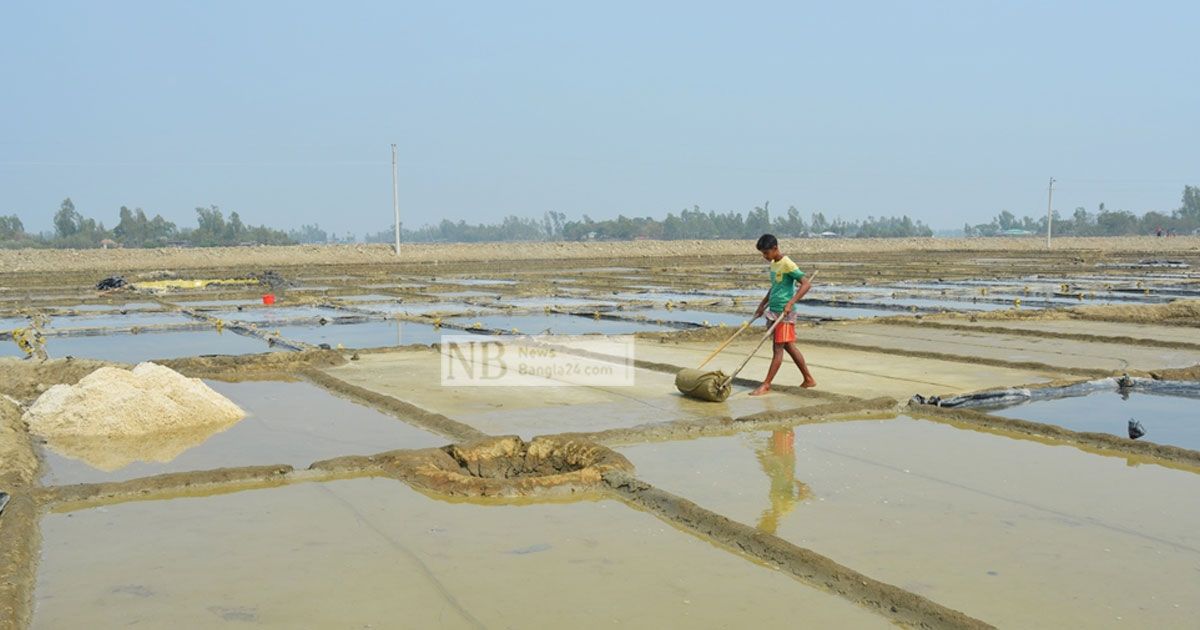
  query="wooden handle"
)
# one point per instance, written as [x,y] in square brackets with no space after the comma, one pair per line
[770,331]
[721,347]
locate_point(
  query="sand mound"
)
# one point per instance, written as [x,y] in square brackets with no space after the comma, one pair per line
[117,402]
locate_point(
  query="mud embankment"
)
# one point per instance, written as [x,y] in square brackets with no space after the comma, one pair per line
[1026,332]
[901,606]
[1177,313]
[505,466]
[196,483]
[718,426]
[409,412]
[26,380]
[1101,443]
[255,367]
[19,538]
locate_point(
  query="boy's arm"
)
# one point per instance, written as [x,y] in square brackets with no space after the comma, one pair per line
[762,306]
[805,285]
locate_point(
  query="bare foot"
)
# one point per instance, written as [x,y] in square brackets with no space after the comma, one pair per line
[808,383]
[762,389]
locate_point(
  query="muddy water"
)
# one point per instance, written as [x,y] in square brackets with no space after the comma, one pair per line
[286,423]
[220,303]
[130,348]
[372,553]
[598,410]
[558,324]
[415,377]
[379,334]
[1017,533]
[1167,419]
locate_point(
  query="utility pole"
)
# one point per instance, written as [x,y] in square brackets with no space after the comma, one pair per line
[396,199]
[1049,213]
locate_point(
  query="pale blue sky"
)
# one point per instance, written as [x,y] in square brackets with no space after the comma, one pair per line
[949,111]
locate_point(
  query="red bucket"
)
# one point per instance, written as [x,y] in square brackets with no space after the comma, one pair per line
[269,299]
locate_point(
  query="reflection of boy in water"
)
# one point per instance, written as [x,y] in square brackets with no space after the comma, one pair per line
[778,460]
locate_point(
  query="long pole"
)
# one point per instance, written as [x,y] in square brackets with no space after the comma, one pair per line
[1049,212]
[396,199]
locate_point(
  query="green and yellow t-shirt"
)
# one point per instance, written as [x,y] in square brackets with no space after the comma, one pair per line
[784,276]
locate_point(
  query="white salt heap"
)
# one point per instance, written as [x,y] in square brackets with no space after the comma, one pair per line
[112,401]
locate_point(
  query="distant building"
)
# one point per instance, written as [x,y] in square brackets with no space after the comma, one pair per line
[108,243]
[1014,232]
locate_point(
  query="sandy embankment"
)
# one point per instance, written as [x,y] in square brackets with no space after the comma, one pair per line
[29,260]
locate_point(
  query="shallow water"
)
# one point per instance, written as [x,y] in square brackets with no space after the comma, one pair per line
[661,296]
[558,324]
[128,320]
[373,553]
[466,294]
[1173,420]
[9,323]
[822,290]
[478,282]
[418,308]
[394,285]
[286,423]
[597,413]
[146,306]
[1014,532]
[842,312]
[130,348]
[705,318]
[736,293]
[556,301]
[938,304]
[221,303]
[9,348]
[268,313]
[379,334]
[369,297]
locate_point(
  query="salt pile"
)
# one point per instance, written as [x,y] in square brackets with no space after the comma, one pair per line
[112,401]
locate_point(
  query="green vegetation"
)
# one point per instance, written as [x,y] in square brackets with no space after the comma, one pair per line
[1105,222]
[135,229]
[688,224]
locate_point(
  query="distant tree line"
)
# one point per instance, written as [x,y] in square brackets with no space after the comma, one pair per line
[688,224]
[1104,222]
[135,229]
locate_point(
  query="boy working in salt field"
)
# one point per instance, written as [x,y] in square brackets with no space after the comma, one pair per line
[778,304]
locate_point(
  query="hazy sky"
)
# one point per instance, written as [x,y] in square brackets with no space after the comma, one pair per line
[949,111]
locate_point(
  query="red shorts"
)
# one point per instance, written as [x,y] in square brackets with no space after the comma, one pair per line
[785,332]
